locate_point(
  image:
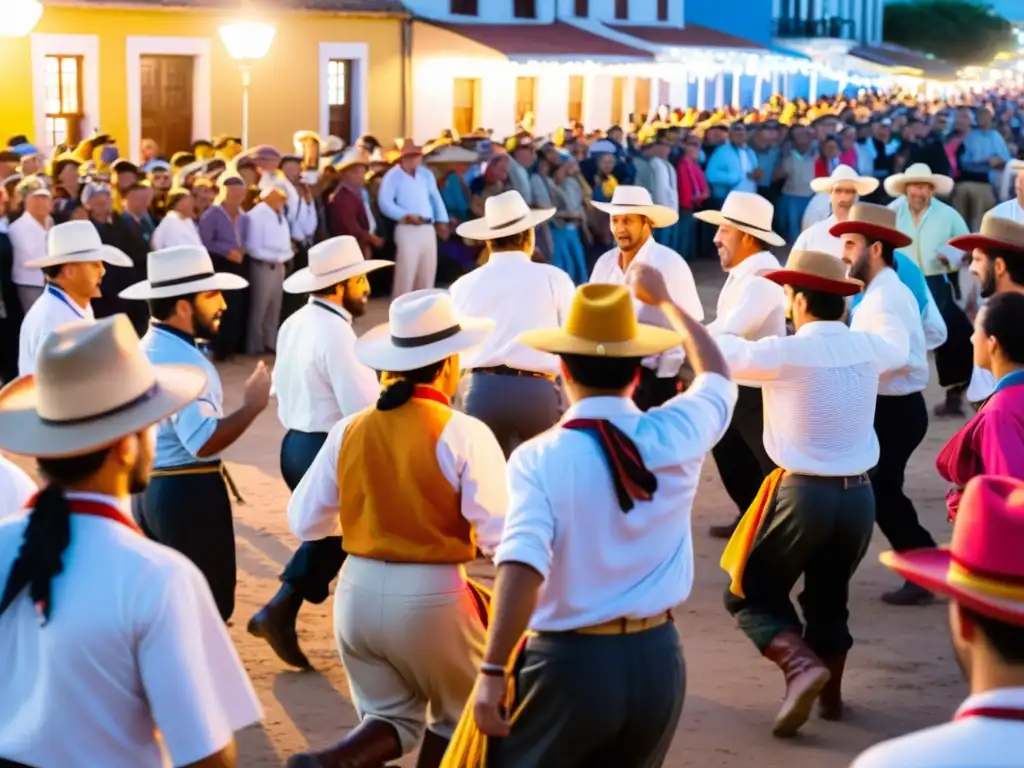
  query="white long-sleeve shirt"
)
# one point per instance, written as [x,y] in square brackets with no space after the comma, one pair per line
[173,230]
[301,214]
[564,519]
[50,311]
[681,289]
[267,235]
[16,488]
[28,241]
[749,305]
[317,378]
[666,184]
[402,194]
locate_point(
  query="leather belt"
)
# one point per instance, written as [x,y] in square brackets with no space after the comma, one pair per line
[624,626]
[504,370]
[845,482]
[202,468]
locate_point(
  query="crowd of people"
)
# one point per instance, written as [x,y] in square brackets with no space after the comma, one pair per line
[569,347]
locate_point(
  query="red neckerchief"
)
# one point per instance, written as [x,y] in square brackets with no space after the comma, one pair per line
[96,509]
[1015,714]
[423,392]
[632,479]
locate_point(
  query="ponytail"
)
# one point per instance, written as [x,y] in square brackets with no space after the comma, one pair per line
[395,395]
[40,558]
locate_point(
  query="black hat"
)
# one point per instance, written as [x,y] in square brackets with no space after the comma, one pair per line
[181,159]
[201,143]
[124,165]
[6,156]
[16,140]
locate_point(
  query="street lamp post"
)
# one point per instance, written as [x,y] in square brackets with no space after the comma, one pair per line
[19,17]
[247,42]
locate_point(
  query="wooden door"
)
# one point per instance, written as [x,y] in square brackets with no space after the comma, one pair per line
[618,97]
[339,100]
[642,99]
[464,104]
[167,101]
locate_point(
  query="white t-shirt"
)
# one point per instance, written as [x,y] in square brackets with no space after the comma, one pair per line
[16,488]
[134,645]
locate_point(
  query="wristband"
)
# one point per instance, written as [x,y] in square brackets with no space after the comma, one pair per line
[492,670]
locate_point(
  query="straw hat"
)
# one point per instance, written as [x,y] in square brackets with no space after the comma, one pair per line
[876,222]
[996,232]
[505,214]
[628,199]
[749,213]
[452,155]
[181,271]
[93,385]
[76,242]
[844,174]
[602,323]
[423,328]
[918,173]
[330,262]
[816,271]
[300,136]
[408,148]
[354,156]
[982,568]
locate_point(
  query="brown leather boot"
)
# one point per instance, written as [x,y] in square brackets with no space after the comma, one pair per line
[806,675]
[830,700]
[432,750]
[369,745]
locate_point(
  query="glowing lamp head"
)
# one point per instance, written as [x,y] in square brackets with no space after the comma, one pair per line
[247,40]
[19,17]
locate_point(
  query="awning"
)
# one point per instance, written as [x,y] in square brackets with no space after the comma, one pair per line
[905,61]
[690,36]
[558,42]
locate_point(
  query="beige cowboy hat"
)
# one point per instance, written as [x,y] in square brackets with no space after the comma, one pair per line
[300,136]
[816,271]
[844,174]
[76,242]
[330,262]
[875,222]
[749,213]
[181,271]
[505,214]
[93,385]
[627,199]
[423,328]
[353,156]
[450,154]
[996,232]
[602,323]
[918,173]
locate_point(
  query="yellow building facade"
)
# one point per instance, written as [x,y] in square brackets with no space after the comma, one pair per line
[138,72]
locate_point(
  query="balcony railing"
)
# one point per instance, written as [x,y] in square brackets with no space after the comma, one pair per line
[834,27]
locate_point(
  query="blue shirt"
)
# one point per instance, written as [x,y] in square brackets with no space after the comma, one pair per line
[979,147]
[402,194]
[939,224]
[180,437]
[911,276]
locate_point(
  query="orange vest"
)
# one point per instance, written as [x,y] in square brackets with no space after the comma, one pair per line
[396,504]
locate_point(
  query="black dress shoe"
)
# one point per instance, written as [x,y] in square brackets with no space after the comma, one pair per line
[275,623]
[724,531]
[909,594]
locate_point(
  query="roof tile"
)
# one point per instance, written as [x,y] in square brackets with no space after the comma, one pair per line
[542,40]
[337,6]
[692,35]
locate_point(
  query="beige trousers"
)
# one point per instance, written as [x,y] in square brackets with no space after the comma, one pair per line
[411,642]
[972,200]
[415,258]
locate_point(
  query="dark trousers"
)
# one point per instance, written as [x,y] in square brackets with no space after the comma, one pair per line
[652,391]
[954,360]
[818,529]
[740,456]
[516,408]
[315,563]
[901,424]
[192,514]
[230,338]
[595,701]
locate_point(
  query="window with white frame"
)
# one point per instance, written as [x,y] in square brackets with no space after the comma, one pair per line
[63,100]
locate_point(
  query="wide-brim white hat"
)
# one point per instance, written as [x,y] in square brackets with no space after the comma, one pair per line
[918,173]
[423,328]
[749,213]
[844,174]
[353,156]
[628,199]
[78,242]
[451,154]
[93,385]
[181,271]
[505,214]
[330,262]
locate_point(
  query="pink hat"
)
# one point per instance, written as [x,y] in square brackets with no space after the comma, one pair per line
[983,568]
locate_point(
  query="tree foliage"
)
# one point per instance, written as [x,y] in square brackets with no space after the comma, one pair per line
[959,31]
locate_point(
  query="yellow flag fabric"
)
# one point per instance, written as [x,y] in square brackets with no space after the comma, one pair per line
[734,558]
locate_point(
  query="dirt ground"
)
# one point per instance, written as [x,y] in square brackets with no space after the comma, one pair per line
[901,674]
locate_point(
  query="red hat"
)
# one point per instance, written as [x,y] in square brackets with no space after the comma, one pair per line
[983,567]
[873,221]
[996,232]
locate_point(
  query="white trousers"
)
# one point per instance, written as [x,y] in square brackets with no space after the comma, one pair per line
[411,641]
[415,258]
